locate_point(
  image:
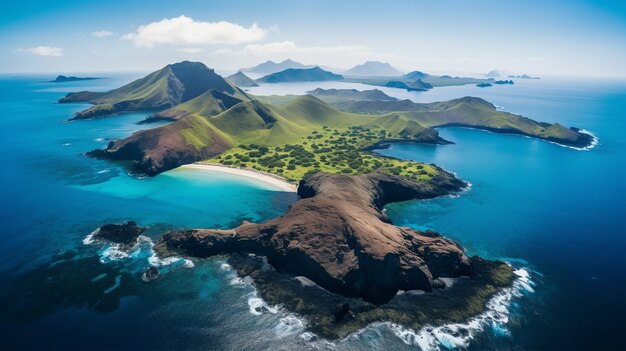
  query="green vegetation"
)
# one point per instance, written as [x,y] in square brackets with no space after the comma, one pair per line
[327,150]
[167,87]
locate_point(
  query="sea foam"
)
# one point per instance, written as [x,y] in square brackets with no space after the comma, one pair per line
[459,335]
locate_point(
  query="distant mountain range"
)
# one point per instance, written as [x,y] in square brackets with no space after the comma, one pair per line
[493,74]
[373,69]
[270,66]
[314,74]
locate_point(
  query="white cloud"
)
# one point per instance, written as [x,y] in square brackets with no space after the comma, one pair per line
[190,50]
[45,51]
[102,33]
[184,30]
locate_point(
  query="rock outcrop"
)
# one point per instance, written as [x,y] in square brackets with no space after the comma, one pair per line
[125,234]
[338,236]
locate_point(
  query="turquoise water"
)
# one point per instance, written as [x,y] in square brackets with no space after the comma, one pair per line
[557,212]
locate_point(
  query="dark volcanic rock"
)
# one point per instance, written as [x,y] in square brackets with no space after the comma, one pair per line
[151,274]
[334,316]
[338,236]
[125,234]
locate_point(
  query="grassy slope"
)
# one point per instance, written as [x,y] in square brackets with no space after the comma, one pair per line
[467,111]
[159,90]
[211,103]
[307,135]
[306,125]
[149,92]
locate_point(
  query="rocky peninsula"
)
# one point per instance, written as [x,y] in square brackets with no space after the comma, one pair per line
[337,238]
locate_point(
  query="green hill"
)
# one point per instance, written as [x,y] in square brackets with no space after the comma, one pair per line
[350,94]
[197,137]
[209,104]
[470,112]
[241,80]
[314,74]
[165,88]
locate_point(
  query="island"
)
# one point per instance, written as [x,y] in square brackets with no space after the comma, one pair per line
[373,69]
[241,80]
[414,81]
[63,79]
[484,85]
[523,76]
[315,74]
[417,85]
[504,82]
[335,257]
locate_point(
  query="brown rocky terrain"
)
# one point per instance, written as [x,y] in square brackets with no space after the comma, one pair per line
[338,236]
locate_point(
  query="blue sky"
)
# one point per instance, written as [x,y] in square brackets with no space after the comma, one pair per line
[535,37]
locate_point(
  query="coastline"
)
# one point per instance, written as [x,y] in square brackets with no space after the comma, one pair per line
[270,179]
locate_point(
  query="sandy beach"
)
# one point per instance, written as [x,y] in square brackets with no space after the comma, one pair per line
[273,181]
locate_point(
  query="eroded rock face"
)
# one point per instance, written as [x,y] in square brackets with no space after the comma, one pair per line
[338,237]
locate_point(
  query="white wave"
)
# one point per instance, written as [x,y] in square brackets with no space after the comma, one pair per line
[238,281]
[113,253]
[88,240]
[99,139]
[226,267]
[104,171]
[67,144]
[258,306]
[459,335]
[289,325]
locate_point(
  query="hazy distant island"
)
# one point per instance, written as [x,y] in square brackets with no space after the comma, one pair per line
[315,74]
[63,79]
[412,81]
[334,257]
[523,76]
[270,66]
[504,82]
[373,69]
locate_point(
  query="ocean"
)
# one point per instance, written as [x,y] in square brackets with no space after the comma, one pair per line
[557,214]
